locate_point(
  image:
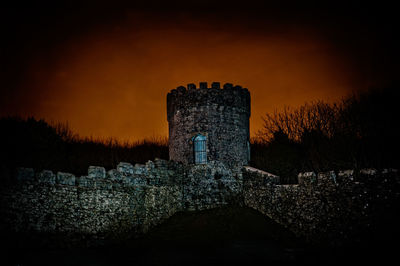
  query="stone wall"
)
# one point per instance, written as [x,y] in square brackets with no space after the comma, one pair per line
[117,204]
[220,114]
[329,207]
[102,205]
[129,200]
[211,185]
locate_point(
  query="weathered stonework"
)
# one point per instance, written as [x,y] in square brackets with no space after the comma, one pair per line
[129,200]
[117,204]
[210,185]
[222,115]
[326,207]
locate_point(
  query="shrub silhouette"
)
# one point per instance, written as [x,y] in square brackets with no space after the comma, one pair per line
[37,144]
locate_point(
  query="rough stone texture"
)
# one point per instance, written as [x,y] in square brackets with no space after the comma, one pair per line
[46,176]
[265,177]
[125,168]
[325,207]
[117,204]
[210,185]
[130,200]
[65,179]
[96,172]
[220,114]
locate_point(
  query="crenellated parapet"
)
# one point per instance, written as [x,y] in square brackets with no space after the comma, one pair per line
[215,96]
[326,205]
[134,198]
[157,173]
[220,115]
[342,177]
[115,204]
[259,176]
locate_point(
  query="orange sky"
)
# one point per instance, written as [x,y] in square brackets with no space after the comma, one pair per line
[112,81]
[115,84]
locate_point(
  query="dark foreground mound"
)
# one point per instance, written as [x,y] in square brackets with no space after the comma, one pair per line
[224,236]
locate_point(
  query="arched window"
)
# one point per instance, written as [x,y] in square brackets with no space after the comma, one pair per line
[200,149]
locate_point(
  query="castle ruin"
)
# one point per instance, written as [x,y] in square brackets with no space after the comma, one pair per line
[209,124]
[209,152]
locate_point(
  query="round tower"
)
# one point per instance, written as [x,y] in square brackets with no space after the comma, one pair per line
[209,124]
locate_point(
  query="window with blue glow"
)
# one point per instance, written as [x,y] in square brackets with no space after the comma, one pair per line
[200,149]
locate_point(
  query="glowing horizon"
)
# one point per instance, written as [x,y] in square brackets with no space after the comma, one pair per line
[112,81]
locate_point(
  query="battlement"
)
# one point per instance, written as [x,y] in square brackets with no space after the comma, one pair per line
[135,198]
[228,96]
[324,205]
[221,114]
[116,204]
[157,173]
[203,86]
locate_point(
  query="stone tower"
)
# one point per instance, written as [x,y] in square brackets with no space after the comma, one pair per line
[209,124]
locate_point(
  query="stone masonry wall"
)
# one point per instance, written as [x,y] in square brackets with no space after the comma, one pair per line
[129,200]
[220,114]
[211,185]
[326,207]
[120,203]
[117,204]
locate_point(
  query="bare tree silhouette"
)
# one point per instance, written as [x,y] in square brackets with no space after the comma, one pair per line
[359,131]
